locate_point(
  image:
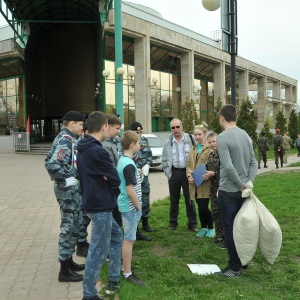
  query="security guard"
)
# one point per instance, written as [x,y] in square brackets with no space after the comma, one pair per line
[61,166]
[263,148]
[143,162]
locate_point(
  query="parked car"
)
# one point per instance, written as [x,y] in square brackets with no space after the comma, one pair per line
[156,148]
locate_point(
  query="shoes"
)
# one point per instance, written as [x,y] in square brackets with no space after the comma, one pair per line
[210,233]
[95,298]
[228,272]
[245,267]
[133,279]
[172,228]
[265,166]
[142,237]
[112,287]
[194,229]
[76,267]
[146,225]
[66,274]
[218,239]
[223,245]
[201,233]
[82,249]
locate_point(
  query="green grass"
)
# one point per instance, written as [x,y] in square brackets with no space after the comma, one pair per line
[271,154]
[297,164]
[162,263]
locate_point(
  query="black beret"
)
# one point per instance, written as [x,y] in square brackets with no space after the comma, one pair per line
[73,116]
[136,126]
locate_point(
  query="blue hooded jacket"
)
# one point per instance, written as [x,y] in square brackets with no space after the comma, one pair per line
[93,163]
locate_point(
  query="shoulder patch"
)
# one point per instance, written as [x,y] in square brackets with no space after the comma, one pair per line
[61,154]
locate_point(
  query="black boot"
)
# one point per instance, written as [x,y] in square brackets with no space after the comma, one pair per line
[82,249]
[76,267]
[258,165]
[66,274]
[146,226]
[265,166]
[281,164]
[277,166]
[141,237]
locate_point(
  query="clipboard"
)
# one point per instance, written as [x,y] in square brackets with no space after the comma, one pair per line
[198,173]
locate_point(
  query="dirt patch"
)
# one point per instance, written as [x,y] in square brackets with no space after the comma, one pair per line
[161,252]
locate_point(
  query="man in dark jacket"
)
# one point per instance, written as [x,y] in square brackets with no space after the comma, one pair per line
[98,179]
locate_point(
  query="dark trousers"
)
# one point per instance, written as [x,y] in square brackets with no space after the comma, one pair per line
[278,154]
[179,180]
[298,147]
[229,205]
[145,197]
[204,213]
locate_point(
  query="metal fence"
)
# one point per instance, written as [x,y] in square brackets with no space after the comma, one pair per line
[21,141]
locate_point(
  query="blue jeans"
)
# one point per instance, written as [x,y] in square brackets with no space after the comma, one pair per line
[106,237]
[229,205]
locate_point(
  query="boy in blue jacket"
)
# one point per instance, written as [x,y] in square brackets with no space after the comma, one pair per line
[98,179]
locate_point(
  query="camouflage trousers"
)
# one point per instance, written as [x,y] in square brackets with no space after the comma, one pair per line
[278,154]
[216,216]
[69,200]
[262,155]
[285,155]
[145,197]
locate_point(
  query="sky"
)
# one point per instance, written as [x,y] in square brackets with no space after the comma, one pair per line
[267,29]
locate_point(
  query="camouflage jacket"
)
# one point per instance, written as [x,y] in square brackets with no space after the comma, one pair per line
[144,156]
[262,143]
[287,142]
[61,159]
[277,140]
[213,164]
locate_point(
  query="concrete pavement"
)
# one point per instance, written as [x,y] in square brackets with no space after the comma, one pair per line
[29,228]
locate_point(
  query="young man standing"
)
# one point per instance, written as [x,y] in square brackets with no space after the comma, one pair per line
[98,179]
[237,167]
[61,166]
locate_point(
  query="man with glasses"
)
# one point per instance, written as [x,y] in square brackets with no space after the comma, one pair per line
[143,160]
[174,156]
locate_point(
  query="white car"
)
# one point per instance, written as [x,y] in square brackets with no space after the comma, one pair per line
[156,148]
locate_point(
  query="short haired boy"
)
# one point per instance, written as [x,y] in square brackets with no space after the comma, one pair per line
[213,169]
[129,200]
[98,178]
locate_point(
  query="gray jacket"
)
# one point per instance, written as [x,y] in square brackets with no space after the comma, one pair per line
[167,155]
[111,147]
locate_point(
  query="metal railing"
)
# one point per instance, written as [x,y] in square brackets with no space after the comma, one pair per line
[21,141]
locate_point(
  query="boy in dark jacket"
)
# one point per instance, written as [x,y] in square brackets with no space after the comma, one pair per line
[98,179]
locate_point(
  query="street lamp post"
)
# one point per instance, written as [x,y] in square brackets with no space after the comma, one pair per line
[229,34]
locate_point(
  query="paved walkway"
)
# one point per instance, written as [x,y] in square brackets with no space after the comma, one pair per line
[29,228]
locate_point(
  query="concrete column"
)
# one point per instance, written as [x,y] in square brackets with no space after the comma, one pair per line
[176,97]
[187,75]
[288,93]
[294,94]
[276,94]
[142,79]
[219,82]
[261,102]
[287,109]
[276,107]
[243,85]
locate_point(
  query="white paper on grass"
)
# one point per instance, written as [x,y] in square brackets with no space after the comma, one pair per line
[203,269]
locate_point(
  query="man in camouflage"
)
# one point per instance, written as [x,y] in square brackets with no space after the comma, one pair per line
[262,145]
[61,166]
[213,172]
[278,149]
[143,162]
[286,144]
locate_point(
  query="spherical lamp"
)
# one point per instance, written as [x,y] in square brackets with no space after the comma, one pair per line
[211,5]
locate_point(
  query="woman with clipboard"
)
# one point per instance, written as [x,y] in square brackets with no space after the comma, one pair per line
[198,156]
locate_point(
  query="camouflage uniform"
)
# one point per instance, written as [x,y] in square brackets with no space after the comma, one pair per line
[262,145]
[144,157]
[213,164]
[61,164]
[278,149]
[286,144]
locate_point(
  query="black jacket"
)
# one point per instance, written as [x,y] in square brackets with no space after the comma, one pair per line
[93,163]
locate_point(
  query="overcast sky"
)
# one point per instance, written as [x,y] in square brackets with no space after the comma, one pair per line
[267,29]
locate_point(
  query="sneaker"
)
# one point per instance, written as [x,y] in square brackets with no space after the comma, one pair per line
[133,279]
[227,272]
[95,298]
[112,287]
[218,239]
[223,246]
[201,233]
[210,233]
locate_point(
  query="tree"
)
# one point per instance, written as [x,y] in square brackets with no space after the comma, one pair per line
[281,120]
[215,124]
[246,119]
[188,115]
[293,124]
[269,134]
